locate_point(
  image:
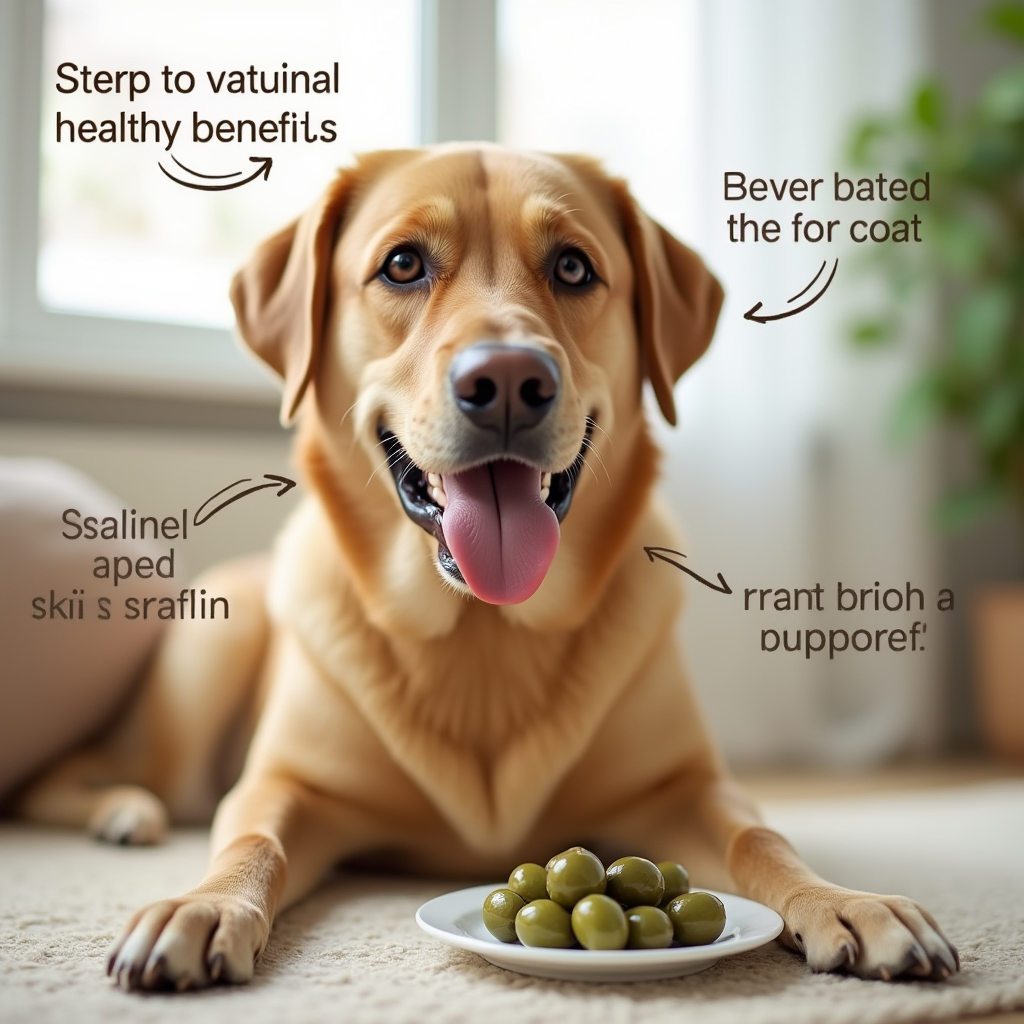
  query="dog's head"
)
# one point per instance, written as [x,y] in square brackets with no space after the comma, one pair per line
[470,327]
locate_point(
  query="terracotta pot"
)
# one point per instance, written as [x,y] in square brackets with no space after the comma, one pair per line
[999,656]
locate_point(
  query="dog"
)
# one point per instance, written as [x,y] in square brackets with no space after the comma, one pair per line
[457,658]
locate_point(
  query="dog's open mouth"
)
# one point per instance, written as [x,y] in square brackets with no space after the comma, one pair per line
[496,524]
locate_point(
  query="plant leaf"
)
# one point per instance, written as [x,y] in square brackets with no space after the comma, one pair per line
[866,134]
[1003,98]
[1007,19]
[980,324]
[968,505]
[998,414]
[929,106]
[921,402]
[872,333]
[961,242]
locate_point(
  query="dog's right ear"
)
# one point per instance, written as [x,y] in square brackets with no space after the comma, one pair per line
[281,295]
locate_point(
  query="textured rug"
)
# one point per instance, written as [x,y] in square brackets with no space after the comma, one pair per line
[354,953]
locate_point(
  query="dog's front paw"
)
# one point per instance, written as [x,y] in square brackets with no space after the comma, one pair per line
[868,935]
[190,942]
[129,815]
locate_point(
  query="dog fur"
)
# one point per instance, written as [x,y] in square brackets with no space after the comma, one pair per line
[387,714]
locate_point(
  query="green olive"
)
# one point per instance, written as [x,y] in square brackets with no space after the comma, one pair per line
[529,881]
[634,881]
[697,918]
[599,923]
[500,909]
[551,860]
[573,875]
[677,879]
[545,923]
[649,928]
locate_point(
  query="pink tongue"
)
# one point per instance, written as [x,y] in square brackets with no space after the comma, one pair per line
[500,533]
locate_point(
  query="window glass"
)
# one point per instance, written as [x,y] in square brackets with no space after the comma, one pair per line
[616,80]
[117,237]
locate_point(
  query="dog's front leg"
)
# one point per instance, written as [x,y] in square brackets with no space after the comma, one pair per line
[273,839]
[835,928]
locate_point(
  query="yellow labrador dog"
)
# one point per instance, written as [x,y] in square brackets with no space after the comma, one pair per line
[459,658]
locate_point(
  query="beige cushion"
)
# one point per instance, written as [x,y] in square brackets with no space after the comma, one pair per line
[62,678]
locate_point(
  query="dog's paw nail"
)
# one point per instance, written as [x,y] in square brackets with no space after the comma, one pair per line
[153,972]
[884,973]
[217,966]
[849,955]
[950,960]
[918,953]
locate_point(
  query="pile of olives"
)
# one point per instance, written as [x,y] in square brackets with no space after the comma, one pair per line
[635,904]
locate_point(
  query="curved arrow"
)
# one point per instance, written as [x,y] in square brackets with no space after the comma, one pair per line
[283,481]
[824,263]
[265,163]
[751,314]
[233,174]
[655,552]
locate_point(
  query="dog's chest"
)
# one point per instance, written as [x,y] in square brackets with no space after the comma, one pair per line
[474,730]
[483,685]
[486,721]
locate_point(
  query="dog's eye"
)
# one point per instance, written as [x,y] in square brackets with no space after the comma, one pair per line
[573,268]
[403,266]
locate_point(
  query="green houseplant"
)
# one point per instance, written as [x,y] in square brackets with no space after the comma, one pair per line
[973,251]
[972,260]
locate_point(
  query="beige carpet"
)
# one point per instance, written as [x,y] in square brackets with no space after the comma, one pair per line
[353,953]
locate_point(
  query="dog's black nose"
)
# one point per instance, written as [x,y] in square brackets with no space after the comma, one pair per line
[504,388]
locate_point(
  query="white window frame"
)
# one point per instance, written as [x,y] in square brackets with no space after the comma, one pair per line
[40,348]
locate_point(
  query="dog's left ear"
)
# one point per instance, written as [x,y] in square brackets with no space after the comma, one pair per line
[677,298]
[280,295]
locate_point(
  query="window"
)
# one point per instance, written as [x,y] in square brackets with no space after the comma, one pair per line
[119,238]
[131,269]
[619,81]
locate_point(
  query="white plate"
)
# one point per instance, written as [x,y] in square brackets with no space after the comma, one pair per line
[456,918]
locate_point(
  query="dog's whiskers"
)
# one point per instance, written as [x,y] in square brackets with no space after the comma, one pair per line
[587,464]
[591,447]
[392,460]
[405,473]
[345,415]
[592,424]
